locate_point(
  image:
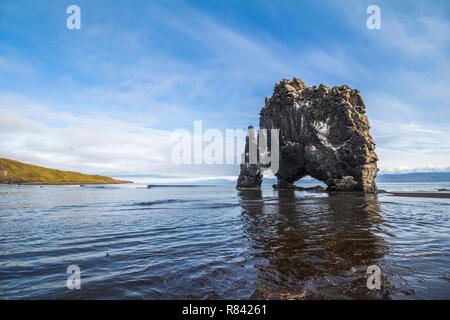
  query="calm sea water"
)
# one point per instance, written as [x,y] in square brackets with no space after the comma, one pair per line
[214,242]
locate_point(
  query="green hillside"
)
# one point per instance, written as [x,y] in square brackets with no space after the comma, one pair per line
[12,171]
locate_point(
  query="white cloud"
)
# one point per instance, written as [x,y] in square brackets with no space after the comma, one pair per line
[378,104]
[92,143]
[410,147]
[16,66]
[99,143]
[416,36]
[235,65]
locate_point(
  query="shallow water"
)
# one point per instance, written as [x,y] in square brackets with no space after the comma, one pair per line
[214,242]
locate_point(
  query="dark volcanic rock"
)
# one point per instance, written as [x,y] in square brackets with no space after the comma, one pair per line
[324,133]
[251,172]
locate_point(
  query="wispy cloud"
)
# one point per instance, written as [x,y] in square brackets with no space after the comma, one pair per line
[99,143]
[409,147]
[16,66]
[94,143]
[416,36]
[162,65]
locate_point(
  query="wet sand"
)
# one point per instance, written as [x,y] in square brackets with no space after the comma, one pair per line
[421,195]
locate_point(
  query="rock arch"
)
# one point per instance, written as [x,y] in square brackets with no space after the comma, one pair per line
[324,133]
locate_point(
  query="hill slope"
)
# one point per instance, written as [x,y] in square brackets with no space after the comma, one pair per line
[16,172]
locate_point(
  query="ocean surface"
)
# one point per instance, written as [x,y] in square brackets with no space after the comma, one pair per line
[214,242]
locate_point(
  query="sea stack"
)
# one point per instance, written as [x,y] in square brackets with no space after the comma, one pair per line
[324,133]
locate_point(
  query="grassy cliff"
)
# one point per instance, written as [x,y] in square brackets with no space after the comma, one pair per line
[12,171]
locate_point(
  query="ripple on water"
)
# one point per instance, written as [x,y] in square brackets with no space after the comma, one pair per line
[216,242]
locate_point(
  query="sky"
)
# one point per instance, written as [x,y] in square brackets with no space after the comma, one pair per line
[106,98]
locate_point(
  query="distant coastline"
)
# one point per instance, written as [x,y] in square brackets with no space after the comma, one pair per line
[415,177]
[16,172]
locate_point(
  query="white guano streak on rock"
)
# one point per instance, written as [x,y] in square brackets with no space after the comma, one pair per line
[322,131]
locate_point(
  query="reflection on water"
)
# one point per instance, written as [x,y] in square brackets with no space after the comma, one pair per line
[215,242]
[314,247]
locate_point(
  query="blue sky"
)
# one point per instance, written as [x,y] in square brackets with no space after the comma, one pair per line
[106,98]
